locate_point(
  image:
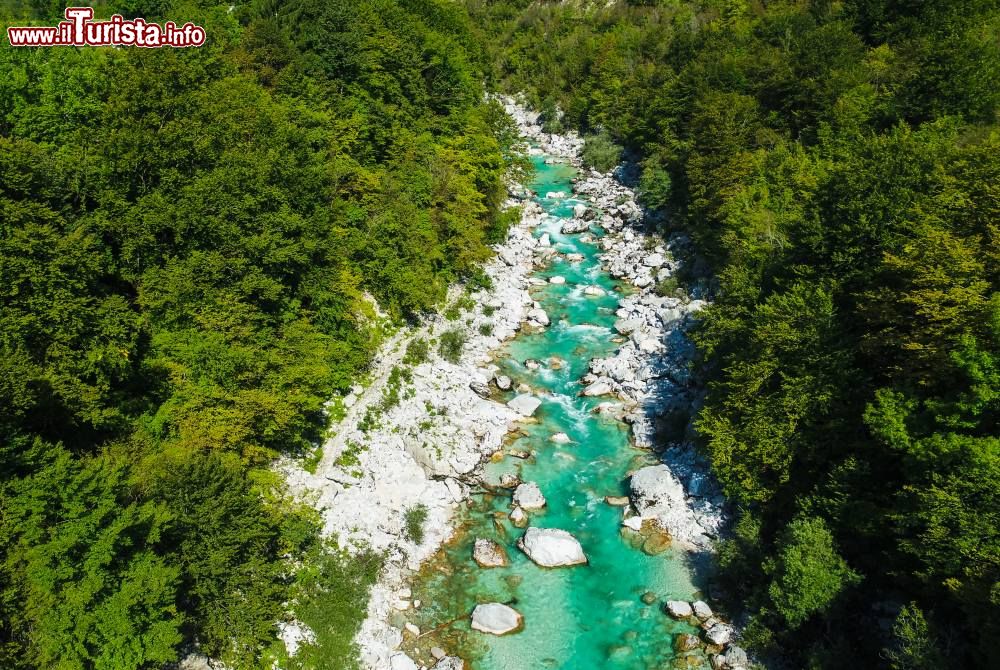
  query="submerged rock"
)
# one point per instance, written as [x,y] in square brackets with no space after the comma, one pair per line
[686,642]
[496,619]
[489,554]
[560,438]
[552,547]
[450,663]
[509,480]
[519,517]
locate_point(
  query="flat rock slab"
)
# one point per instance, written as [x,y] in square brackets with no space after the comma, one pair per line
[552,548]
[496,619]
[524,404]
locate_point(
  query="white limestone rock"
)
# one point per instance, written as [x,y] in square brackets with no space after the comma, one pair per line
[496,619]
[679,609]
[528,496]
[400,661]
[658,495]
[598,388]
[702,610]
[524,404]
[538,316]
[719,634]
[552,547]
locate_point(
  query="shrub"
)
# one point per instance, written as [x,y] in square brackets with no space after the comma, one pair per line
[414,521]
[451,344]
[809,573]
[486,329]
[667,286]
[600,152]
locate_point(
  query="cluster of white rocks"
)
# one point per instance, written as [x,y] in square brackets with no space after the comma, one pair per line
[716,635]
[648,376]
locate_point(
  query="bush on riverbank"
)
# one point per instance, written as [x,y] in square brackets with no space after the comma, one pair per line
[450,345]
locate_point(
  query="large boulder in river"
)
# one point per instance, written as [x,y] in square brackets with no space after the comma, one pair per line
[575,225]
[524,404]
[496,619]
[528,496]
[679,609]
[598,388]
[538,316]
[658,495]
[552,548]
[489,554]
[719,634]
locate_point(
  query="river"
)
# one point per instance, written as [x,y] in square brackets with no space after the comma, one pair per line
[609,613]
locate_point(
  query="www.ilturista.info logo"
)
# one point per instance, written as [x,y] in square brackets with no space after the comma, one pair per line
[79,29]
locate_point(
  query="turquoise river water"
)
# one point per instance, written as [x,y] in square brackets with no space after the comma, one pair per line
[584,617]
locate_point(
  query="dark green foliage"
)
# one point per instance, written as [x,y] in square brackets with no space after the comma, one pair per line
[837,164]
[187,238]
[450,345]
[600,152]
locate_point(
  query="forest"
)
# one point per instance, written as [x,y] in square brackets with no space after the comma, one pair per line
[191,244]
[838,165]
